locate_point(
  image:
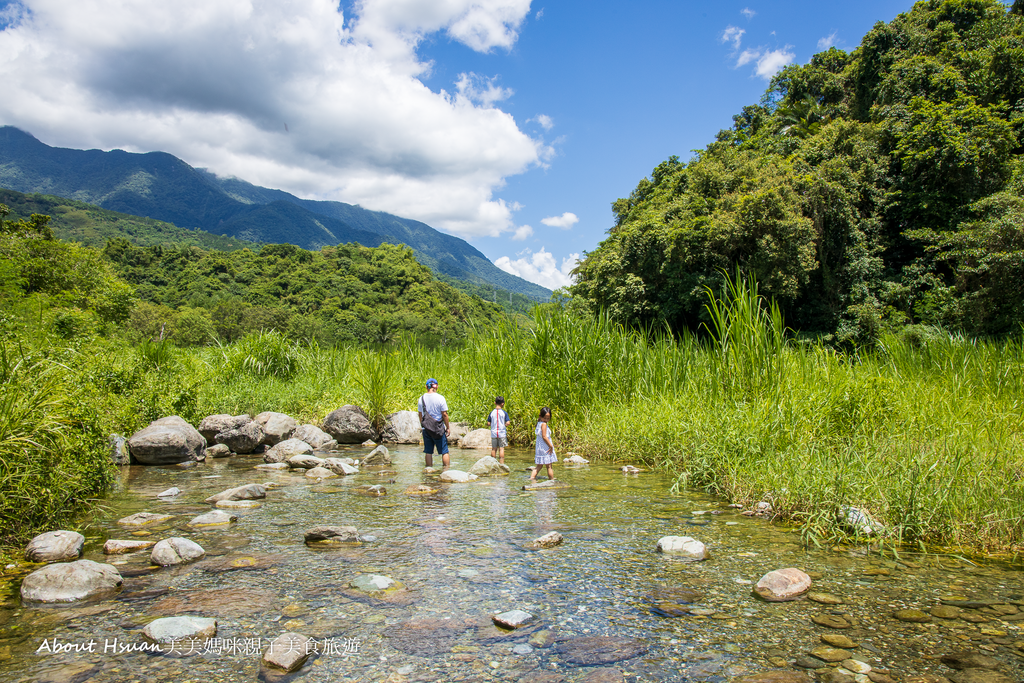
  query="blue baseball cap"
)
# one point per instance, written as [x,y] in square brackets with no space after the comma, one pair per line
[431,382]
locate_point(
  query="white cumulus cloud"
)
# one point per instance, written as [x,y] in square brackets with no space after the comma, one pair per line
[732,34]
[541,268]
[828,41]
[767,62]
[522,232]
[565,221]
[544,120]
[290,95]
[748,13]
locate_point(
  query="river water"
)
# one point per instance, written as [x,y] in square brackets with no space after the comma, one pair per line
[602,599]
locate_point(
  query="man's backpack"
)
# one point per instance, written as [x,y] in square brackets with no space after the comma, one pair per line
[432,427]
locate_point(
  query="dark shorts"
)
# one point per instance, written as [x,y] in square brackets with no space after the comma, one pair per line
[429,443]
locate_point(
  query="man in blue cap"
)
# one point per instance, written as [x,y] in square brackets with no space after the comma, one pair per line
[433,412]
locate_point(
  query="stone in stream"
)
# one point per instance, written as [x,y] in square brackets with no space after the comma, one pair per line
[513,619]
[915,616]
[119,547]
[426,637]
[824,598]
[307,462]
[370,490]
[374,584]
[859,521]
[276,427]
[212,425]
[244,492]
[217,450]
[838,640]
[969,660]
[856,666]
[168,630]
[341,466]
[284,450]
[478,438]
[70,582]
[140,519]
[548,485]
[314,436]
[55,546]
[402,427]
[836,676]
[783,585]
[421,490]
[176,550]
[457,477]
[683,547]
[349,424]
[597,650]
[548,540]
[774,677]
[119,454]
[809,662]
[288,652]
[238,504]
[167,441]
[215,518]
[321,473]
[488,466]
[830,654]
[980,676]
[169,493]
[378,456]
[830,621]
[278,466]
[327,535]
[575,460]
[673,602]
[945,612]
[242,440]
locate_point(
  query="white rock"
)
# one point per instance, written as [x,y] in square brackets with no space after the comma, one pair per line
[288,651]
[70,581]
[176,550]
[245,492]
[683,547]
[55,546]
[119,547]
[170,629]
[320,473]
[340,466]
[215,518]
[173,491]
[457,477]
[782,585]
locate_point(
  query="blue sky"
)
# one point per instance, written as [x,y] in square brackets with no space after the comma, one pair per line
[483,118]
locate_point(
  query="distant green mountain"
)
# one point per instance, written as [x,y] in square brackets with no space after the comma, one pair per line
[160,186]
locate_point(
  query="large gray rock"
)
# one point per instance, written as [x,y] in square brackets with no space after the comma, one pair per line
[289,651]
[378,456]
[340,466]
[489,467]
[349,424]
[55,546]
[457,430]
[478,438]
[167,441]
[314,436]
[683,547]
[782,585]
[212,425]
[71,581]
[276,426]
[217,450]
[244,439]
[305,462]
[244,492]
[286,449]
[177,550]
[115,546]
[119,454]
[457,477]
[174,629]
[215,518]
[402,427]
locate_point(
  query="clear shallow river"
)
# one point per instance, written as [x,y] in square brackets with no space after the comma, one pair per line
[462,554]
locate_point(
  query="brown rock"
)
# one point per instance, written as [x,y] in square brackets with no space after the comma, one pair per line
[838,640]
[980,676]
[605,675]
[420,490]
[945,612]
[289,651]
[223,602]
[915,616]
[824,598]
[877,677]
[597,650]
[782,585]
[426,637]
[969,660]
[830,654]
[830,621]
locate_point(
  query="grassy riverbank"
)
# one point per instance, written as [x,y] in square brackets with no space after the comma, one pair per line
[925,431]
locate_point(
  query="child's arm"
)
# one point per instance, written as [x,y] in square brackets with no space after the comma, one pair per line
[546,435]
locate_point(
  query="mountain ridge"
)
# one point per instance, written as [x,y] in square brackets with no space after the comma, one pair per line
[159,185]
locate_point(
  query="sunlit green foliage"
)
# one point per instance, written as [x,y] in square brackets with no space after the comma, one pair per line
[866,191]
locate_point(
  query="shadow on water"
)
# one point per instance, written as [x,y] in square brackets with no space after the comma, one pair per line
[603,598]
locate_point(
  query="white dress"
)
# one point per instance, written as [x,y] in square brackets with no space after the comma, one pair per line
[543,455]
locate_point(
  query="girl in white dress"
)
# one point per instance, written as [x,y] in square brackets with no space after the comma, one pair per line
[544,454]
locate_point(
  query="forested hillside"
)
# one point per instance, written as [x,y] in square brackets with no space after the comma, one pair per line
[866,191]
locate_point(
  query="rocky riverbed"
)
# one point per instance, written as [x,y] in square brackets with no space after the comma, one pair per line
[421,568]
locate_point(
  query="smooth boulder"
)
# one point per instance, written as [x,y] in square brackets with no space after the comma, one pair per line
[548,540]
[489,466]
[314,436]
[402,427]
[287,449]
[277,427]
[177,550]
[244,492]
[70,582]
[478,438]
[217,450]
[55,546]
[332,534]
[289,651]
[212,425]
[170,630]
[167,441]
[782,585]
[340,467]
[305,462]
[378,456]
[244,439]
[115,546]
[683,547]
[215,518]
[457,477]
[349,424]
